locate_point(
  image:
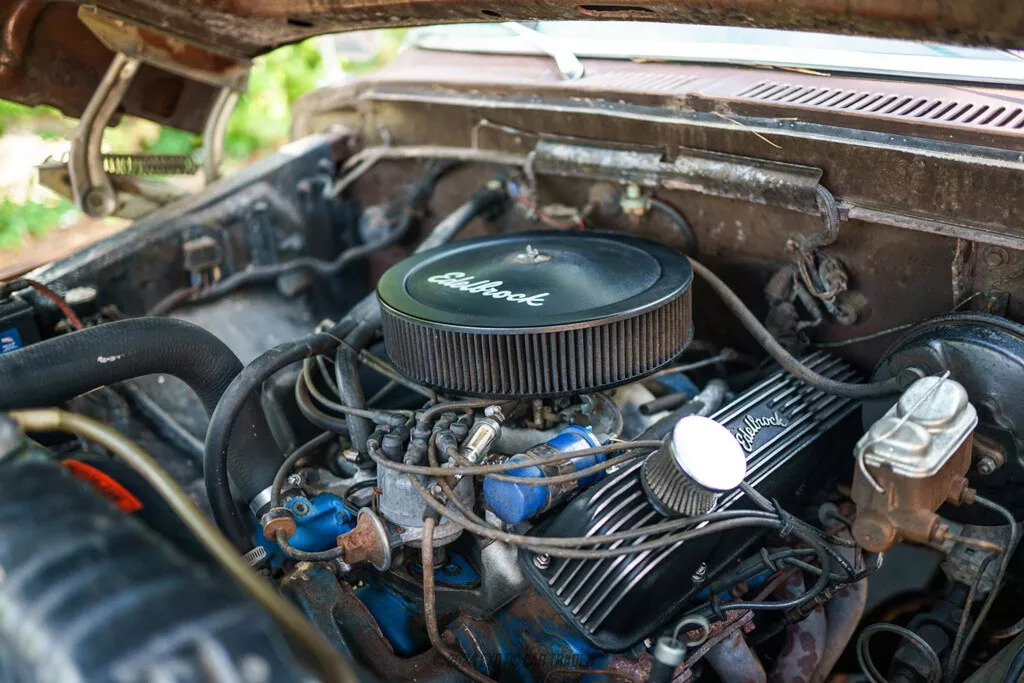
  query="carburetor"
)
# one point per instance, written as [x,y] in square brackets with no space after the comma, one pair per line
[910,462]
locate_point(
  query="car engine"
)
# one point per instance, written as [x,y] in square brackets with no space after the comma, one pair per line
[447,391]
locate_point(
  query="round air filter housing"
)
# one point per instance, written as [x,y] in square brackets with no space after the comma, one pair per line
[693,467]
[536,314]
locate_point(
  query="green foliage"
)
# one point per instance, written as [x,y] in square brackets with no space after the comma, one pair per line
[172,141]
[18,221]
[259,124]
[46,122]
[262,118]
[263,115]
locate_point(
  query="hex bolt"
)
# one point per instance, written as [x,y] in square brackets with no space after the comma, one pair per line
[995,257]
[987,465]
[294,479]
[700,573]
[542,561]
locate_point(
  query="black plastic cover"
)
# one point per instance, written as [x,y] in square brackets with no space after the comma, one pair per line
[793,436]
[18,327]
[563,277]
[537,313]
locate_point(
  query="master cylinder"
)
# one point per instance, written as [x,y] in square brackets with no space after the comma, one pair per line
[910,462]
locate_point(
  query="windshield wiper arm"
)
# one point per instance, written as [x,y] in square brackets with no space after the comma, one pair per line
[569,65]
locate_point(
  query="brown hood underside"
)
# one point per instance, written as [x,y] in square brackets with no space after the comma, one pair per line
[48,56]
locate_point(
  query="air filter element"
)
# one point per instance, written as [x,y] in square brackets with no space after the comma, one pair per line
[537,313]
[687,474]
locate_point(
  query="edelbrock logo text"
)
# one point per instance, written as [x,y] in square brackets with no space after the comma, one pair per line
[751,426]
[491,288]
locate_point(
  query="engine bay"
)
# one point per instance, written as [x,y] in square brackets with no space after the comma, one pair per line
[472,383]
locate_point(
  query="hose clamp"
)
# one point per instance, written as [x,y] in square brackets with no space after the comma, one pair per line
[261,500]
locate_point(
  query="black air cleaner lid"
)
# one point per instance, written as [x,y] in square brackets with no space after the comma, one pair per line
[536,313]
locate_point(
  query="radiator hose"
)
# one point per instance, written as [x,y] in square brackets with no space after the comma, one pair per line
[54,371]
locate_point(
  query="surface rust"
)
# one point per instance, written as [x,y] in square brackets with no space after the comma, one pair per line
[264,23]
[47,56]
[900,275]
[805,640]
[43,43]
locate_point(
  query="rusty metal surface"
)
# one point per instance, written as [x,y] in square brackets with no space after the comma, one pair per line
[723,175]
[988,116]
[805,640]
[941,187]
[904,271]
[365,544]
[736,622]
[43,43]
[263,23]
[47,56]
[844,611]
[894,505]
[734,661]
[166,51]
[348,625]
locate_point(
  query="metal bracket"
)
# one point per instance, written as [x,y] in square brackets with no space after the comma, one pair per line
[167,51]
[90,185]
[214,132]
[133,44]
[761,181]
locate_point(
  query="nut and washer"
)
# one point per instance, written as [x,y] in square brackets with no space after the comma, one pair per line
[278,520]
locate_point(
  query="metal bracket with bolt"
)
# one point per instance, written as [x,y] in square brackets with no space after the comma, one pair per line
[93,191]
[91,187]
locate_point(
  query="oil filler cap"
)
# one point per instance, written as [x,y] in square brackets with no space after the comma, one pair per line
[699,461]
[533,314]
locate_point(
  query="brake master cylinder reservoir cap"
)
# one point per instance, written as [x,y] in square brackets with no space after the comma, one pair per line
[700,460]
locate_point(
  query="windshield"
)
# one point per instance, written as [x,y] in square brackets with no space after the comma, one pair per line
[817,52]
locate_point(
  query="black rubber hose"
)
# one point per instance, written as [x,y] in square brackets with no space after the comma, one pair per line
[660,429]
[229,410]
[1015,669]
[54,371]
[128,605]
[669,401]
[682,225]
[229,417]
[782,356]
[321,268]
[350,388]
[319,418]
[488,199]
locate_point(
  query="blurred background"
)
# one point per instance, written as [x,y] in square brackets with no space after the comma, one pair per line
[37,226]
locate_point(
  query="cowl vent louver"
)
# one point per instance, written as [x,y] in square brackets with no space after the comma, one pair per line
[889,105]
